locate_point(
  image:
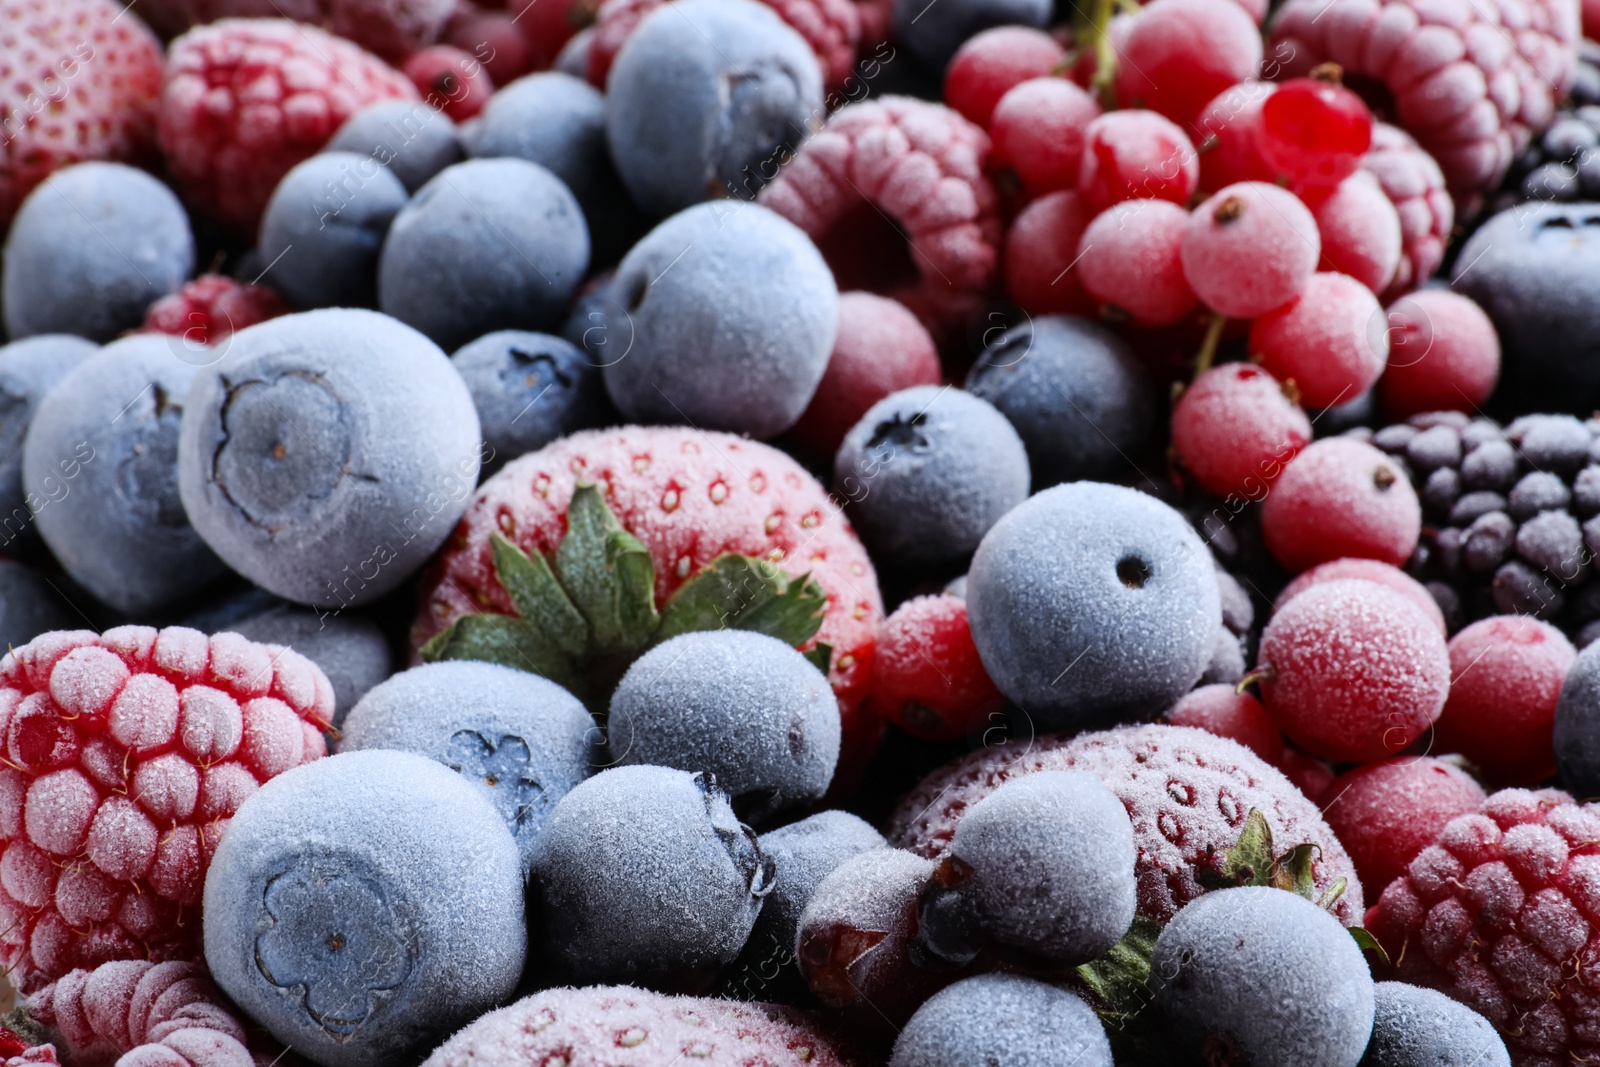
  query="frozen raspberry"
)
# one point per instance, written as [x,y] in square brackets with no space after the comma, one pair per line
[1314,131]
[1309,774]
[1188,792]
[990,63]
[1235,428]
[81,82]
[1131,259]
[1470,83]
[877,22]
[247,99]
[928,678]
[1360,231]
[1506,675]
[1340,498]
[1181,53]
[1414,183]
[126,753]
[894,194]
[1227,134]
[1368,570]
[1250,248]
[1041,254]
[1330,340]
[1136,155]
[450,80]
[1038,129]
[212,308]
[1502,912]
[1385,813]
[1221,710]
[1352,670]
[392,29]
[1444,355]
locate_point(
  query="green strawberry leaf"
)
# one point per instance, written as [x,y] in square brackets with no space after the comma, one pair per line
[745,593]
[1335,891]
[1119,980]
[1249,862]
[1368,943]
[608,574]
[507,641]
[1292,871]
[820,655]
[539,598]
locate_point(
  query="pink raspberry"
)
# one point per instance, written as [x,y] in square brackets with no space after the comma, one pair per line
[1502,912]
[81,82]
[909,175]
[247,99]
[1472,82]
[391,28]
[212,308]
[1387,812]
[1415,185]
[126,753]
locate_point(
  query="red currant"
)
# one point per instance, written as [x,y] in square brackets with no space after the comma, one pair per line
[1314,131]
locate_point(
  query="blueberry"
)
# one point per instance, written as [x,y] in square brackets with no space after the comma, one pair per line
[573,59]
[1092,604]
[1551,182]
[30,605]
[525,740]
[364,906]
[723,317]
[742,707]
[931,32]
[529,389]
[28,370]
[100,469]
[350,650]
[324,227]
[708,99]
[1416,1027]
[1003,1020]
[1577,728]
[328,454]
[414,141]
[927,472]
[645,875]
[1075,392]
[90,249]
[1265,974]
[489,244]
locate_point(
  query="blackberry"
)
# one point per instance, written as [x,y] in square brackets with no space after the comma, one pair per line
[1563,164]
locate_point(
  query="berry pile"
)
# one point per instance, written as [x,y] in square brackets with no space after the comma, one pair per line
[1563,164]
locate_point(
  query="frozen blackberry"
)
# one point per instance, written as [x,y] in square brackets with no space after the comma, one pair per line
[1563,164]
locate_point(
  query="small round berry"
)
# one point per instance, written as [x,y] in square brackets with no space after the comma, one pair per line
[1227,134]
[449,79]
[415,141]
[1576,739]
[1034,1022]
[1418,1027]
[1371,570]
[1038,129]
[1444,354]
[932,34]
[1360,230]
[1041,253]
[1310,775]
[1235,429]
[988,64]
[1341,497]
[1353,670]
[1136,155]
[324,228]
[1131,258]
[1222,710]
[1250,248]
[529,389]
[1385,813]
[351,650]
[1314,131]
[927,677]
[1181,53]
[1330,340]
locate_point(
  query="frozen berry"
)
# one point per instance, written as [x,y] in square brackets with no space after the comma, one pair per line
[449,79]
[529,389]
[1250,248]
[1330,340]
[1341,497]
[1360,231]
[1419,1027]
[1136,155]
[1227,134]
[1314,131]
[414,140]
[927,677]
[324,228]
[1130,258]
[1385,813]
[1371,570]
[1412,181]
[989,64]
[351,650]
[1310,775]
[1444,355]
[209,309]
[1038,129]
[1226,712]
[29,369]
[1003,1019]
[1041,256]
[931,34]
[1235,429]
[1181,53]
[1576,738]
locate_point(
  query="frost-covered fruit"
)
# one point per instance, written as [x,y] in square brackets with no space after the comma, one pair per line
[1331,340]
[1506,678]
[365,906]
[1041,253]
[707,101]
[100,472]
[928,471]
[747,710]
[1418,1027]
[1179,54]
[28,370]
[727,314]
[1444,355]
[1369,570]
[1576,740]
[1003,1019]
[1341,497]
[1250,248]
[1353,670]
[128,752]
[927,677]
[1030,369]
[351,650]
[1387,812]
[90,249]
[1130,259]
[1222,710]
[30,605]
[1360,229]
[1042,867]
[1136,154]
[989,63]
[324,228]
[529,389]
[450,79]
[1092,604]
[1309,774]
[411,139]
[489,244]
[209,309]
[1266,975]
[327,454]
[933,35]
[1037,131]
[522,738]
[1236,427]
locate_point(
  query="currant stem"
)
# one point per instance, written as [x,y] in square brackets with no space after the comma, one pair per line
[1105,54]
[1208,347]
[1260,674]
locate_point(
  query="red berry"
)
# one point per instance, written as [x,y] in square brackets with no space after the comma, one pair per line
[1360,231]
[1136,155]
[212,308]
[1038,130]
[1385,813]
[1444,355]
[1507,674]
[1234,429]
[1250,248]
[1340,498]
[1228,137]
[1369,570]
[1412,181]
[450,80]
[1131,258]
[496,38]
[1330,341]
[1309,774]
[1355,670]
[1236,716]
[928,678]
[990,63]
[1181,53]
[545,27]
[1041,252]
[1314,131]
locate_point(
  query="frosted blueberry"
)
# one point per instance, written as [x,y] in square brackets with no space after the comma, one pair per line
[28,369]
[1416,1027]
[1577,727]
[30,606]
[529,389]
[324,227]
[351,650]
[1003,1020]
[414,141]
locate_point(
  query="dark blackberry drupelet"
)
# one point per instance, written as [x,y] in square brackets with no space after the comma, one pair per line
[1563,163]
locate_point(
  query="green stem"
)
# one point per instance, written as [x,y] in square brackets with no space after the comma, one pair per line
[1105,55]
[1208,347]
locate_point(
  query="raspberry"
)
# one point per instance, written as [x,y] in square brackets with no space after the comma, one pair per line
[1041,253]
[928,678]
[1181,53]
[247,99]
[907,175]
[1340,498]
[1136,155]
[1414,183]
[1506,678]
[212,308]
[126,754]
[1329,341]
[990,63]
[1471,84]
[81,83]
[1228,137]
[1188,792]
[1360,231]
[450,80]
[1385,813]
[1314,131]
[1250,248]
[392,29]
[1235,428]
[1444,355]
[1502,912]
[1352,670]
[1221,710]
[1131,259]
[1368,570]
[877,21]
[1038,130]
